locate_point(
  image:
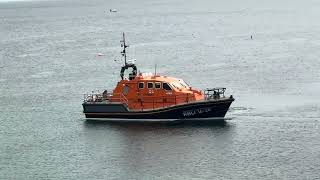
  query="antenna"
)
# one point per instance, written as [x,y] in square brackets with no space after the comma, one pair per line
[123,52]
[133,74]
[155,69]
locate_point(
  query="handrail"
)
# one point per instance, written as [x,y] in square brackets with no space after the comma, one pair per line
[147,102]
[120,97]
[150,101]
[214,93]
[97,96]
[105,96]
[123,99]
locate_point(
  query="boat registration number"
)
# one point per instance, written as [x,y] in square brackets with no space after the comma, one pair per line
[195,111]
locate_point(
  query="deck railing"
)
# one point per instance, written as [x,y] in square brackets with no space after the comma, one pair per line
[214,93]
[149,102]
[109,96]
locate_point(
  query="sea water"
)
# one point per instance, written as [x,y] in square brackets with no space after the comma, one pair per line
[49,57]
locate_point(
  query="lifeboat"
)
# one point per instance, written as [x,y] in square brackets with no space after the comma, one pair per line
[153,97]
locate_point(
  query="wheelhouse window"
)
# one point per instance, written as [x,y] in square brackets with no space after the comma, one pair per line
[157,85]
[183,83]
[176,85]
[150,85]
[166,86]
[141,85]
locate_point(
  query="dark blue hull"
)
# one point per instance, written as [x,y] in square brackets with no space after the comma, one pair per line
[211,109]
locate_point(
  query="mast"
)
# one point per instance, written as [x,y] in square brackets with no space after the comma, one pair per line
[133,74]
[123,52]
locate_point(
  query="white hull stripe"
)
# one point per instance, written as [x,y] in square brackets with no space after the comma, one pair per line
[158,120]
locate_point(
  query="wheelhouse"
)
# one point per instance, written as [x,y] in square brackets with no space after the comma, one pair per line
[145,92]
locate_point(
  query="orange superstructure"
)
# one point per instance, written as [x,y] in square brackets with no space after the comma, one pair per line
[155,91]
